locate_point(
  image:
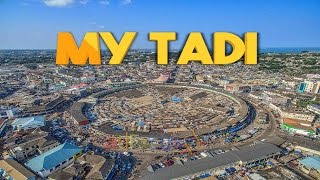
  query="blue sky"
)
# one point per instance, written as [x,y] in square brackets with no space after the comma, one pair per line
[35,23]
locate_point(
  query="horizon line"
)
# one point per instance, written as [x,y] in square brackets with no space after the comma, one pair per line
[150,48]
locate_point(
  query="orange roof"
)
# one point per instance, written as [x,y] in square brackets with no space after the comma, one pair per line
[298,124]
[295,121]
[81,85]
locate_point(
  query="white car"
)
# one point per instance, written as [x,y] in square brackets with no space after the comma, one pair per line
[162,165]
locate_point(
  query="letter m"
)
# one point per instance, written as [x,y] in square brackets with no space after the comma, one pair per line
[67,49]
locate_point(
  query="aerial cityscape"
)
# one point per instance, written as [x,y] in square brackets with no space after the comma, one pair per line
[140,120]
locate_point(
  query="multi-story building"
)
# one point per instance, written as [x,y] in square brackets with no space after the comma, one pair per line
[87,166]
[314,108]
[47,108]
[302,87]
[11,169]
[6,114]
[54,159]
[21,124]
[36,145]
[224,81]
[274,98]
[78,115]
[309,87]
[237,87]
[310,165]
[297,114]
[259,95]
[316,88]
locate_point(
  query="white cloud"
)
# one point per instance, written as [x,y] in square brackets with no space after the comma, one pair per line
[126,2]
[104,2]
[101,27]
[58,3]
[62,3]
[84,2]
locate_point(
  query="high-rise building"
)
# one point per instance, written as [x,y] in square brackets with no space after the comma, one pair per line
[316,88]
[302,87]
[309,87]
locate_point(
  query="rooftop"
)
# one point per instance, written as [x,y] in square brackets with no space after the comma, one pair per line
[2,122]
[49,106]
[77,111]
[257,151]
[53,157]
[100,166]
[298,124]
[316,106]
[311,162]
[40,142]
[28,121]
[231,157]
[15,170]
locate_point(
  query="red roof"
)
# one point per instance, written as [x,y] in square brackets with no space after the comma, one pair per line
[83,122]
[2,121]
[81,85]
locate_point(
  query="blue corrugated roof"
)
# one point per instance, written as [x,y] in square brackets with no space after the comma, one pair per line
[53,157]
[140,123]
[28,121]
[176,99]
[311,162]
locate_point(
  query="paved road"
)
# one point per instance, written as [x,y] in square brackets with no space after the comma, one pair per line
[301,141]
[271,129]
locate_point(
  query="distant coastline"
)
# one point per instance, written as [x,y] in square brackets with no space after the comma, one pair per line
[289,50]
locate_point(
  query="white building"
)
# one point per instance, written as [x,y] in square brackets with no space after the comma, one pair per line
[6,114]
[26,123]
[297,115]
[314,108]
[309,86]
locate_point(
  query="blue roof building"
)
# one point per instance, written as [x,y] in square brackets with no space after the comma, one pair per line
[57,158]
[302,87]
[176,99]
[312,162]
[28,123]
[140,123]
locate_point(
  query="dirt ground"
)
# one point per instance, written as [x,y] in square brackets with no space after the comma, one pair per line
[143,160]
